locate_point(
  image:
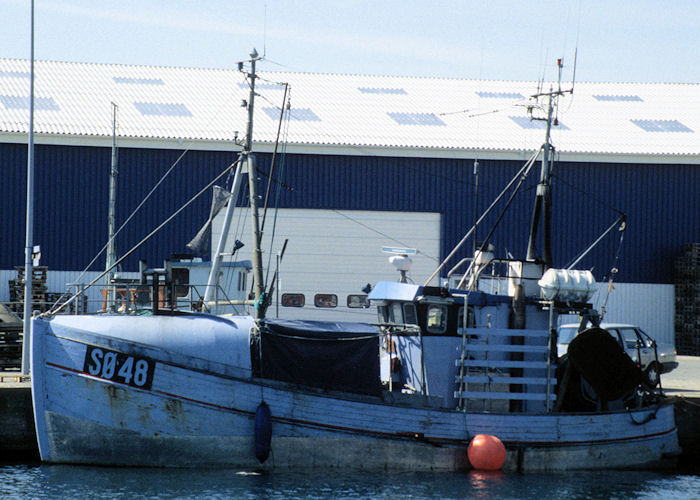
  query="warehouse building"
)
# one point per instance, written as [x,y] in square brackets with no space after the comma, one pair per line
[361,164]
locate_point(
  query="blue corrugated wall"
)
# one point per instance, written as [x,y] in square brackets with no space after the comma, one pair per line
[661,202]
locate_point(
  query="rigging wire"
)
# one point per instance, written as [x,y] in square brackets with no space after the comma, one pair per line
[588,194]
[610,275]
[145,239]
[211,119]
[274,154]
[133,214]
[288,117]
[498,220]
[525,168]
[376,231]
[278,191]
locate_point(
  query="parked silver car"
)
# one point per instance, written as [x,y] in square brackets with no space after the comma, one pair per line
[638,345]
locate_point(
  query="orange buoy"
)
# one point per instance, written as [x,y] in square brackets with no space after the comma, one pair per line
[486,452]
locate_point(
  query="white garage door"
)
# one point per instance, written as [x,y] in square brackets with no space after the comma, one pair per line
[336,252]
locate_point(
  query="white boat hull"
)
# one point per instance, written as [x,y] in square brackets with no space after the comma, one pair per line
[195,412]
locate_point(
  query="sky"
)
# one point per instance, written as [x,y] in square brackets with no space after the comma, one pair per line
[614,40]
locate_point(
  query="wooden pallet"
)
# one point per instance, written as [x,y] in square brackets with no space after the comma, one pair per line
[38,273]
[11,335]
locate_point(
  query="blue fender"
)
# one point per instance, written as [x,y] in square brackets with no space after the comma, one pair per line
[263,431]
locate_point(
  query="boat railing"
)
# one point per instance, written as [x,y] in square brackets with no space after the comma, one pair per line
[129,298]
[496,277]
[136,297]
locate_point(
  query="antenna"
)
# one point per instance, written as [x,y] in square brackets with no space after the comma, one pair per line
[560,66]
[400,260]
[573,76]
[265,32]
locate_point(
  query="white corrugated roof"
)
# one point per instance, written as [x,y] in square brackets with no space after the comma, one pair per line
[348,113]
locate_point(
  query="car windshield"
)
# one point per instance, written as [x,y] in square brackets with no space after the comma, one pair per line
[566,333]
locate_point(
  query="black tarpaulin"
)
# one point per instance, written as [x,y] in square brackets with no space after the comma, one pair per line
[327,355]
[598,357]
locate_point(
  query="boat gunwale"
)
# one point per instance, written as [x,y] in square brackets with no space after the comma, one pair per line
[325,393]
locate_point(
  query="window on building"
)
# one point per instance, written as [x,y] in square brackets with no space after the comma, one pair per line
[22,102]
[326,300]
[130,80]
[619,98]
[162,109]
[293,300]
[380,90]
[661,126]
[14,74]
[298,114]
[423,119]
[262,86]
[525,122]
[357,301]
[500,95]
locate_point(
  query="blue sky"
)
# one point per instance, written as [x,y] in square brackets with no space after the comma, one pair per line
[617,40]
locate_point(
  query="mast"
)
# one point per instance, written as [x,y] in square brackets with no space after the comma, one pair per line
[245,162]
[113,173]
[29,237]
[213,279]
[258,285]
[543,199]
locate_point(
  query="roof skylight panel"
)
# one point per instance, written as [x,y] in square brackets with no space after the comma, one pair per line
[162,109]
[380,90]
[299,114]
[662,126]
[420,119]
[137,81]
[14,74]
[262,86]
[527,123]
[22,102]
[619,98]
[500,95]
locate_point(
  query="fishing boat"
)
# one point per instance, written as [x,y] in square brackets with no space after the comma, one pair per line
[442,365]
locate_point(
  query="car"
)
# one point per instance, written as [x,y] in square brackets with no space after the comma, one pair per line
[652,357]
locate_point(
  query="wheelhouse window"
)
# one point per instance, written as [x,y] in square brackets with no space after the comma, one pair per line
[396,313]
[293,300]
[409,314]
[181,280]
[383,313]
[437,319]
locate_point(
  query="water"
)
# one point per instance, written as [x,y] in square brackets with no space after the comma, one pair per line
[62,481]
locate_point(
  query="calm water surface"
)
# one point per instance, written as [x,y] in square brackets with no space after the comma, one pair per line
[58,481]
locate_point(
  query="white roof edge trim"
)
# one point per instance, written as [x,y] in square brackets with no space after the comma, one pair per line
[375,151]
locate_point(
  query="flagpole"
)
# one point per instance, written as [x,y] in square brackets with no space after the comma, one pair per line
[29,240]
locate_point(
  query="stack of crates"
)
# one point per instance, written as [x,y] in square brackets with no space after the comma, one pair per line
[39,298]
[10,346]
[687,288]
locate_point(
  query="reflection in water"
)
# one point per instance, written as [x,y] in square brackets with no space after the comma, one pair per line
[54,481]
